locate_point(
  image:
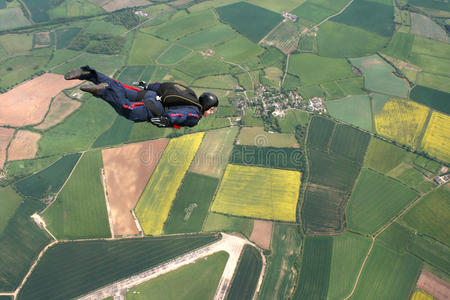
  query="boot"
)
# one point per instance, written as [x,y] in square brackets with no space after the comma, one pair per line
[80,73]
[94,88]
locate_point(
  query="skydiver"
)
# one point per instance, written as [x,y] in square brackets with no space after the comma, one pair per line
[166,104]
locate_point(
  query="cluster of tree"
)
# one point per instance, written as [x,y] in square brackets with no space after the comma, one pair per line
[125,17]
[270,122]
[104,43]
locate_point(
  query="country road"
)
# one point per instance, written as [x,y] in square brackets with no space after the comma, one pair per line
[232,244]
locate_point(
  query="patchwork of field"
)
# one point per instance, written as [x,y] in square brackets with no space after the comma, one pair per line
[146,49]
[10,202]
[402,121]
[60,108]
[285,37]
[437,136]
[395,237]
[430,215]
[23,145]
[252,21]
[291,119]
[6,134]
[187,282]
[191,205]
[263,193]
[126,172]
[208,37]
[355,110]
[217,222]
[173,55]
[256,136]
[424,26]
[115,260]
[433,285]
[12,18]
[155,202]
[371,207]
[79,211]
[431,251]
[379,76]
[313,14]
[432,98]
[35,96]
[400,45]
[246,276]
[214,152]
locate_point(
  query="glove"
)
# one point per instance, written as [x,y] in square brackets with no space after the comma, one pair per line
[161,121]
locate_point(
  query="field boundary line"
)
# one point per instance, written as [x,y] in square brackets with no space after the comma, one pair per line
[285,70]
[336,14]
[424,128]
[251,78]
[108,207]
[270,32]
[28,10]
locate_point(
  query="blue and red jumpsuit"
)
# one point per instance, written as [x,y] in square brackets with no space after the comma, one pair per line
[123,98]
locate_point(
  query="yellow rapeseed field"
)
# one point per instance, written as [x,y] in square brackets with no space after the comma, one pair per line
[258,193]
[436,140]
[155,202]
[421,295]
[402,121]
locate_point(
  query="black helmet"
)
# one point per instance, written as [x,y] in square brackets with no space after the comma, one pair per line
[208,100]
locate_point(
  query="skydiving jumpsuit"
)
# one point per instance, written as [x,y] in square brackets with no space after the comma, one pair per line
[123,98]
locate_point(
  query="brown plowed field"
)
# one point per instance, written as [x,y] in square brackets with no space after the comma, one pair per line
[118,4]
[127,170]
[262,233]
[5,136]
[28,103]
[61,107]
[434,286]
[24,145]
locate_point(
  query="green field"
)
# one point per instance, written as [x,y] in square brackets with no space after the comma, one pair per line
[292,119]
[431,214]
[64,36]
[20,244]
[313,13]
[10,202]
[396,237]
[239,50]
[313,69]
[340,40]
[131,73]
[80,209]
[379,77]
[400,46]
[71,263]
[102,26]
[323,210]
[146,49]
[424,26]
[320,132]
[191,205]
[49,180]
[107,64]
[246,276]
[432,98]
[198,65]
[335,5]
[16,44]
[18,169]
[431,64]
[117,134]
[187,282]
[371,207]
[278,279]
[208,37]
[214,152]
[250,118]
[394,275]
[371,16]
[269,157]
[314,276]
[250,20]
[412,177]
[433,4]
[349,251]
[256,136]
[218,222]
[219,82]
[12,18]
[433,81]
[350,143]
[431,251]
[355,110]
[173,55]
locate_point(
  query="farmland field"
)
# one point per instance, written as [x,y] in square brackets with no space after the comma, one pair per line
[437,136]
[198,65]
[79,211]
[354,110]
[432,98]
[341,40]
[20,243]
[314,276]
[218,222]
[320,132]
[157,198]
[208,37]
[371,207]
[403,121]
[173,55]
[214,152]
[191,205]
[312,12]
[400,45]
[146,49]
[264,193]
[48,180]
[394,274]
[433,4]
[371,16]
[292,119]
[10,202]
[218,82]
[15,170]
[278,278]
[424,26]
[187,282]
[118,133]
[433,81]
[247,274]
[429,47]
[431,251]
[379,76]
[64,36]
[250,20]
[421,295]
[313,69]
[256,136]
[323,210]
[285,37]
[431,64]
[12,18]
[396,237]
[70,263]
[239,50]
[349,251]
[431,214]
[350,143]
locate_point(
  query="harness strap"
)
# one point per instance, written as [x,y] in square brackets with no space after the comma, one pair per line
[141,95]
[156,112]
